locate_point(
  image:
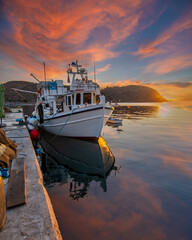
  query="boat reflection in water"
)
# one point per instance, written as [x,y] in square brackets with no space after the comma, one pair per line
[76,161]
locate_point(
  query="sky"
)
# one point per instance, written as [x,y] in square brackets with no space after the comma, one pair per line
[144,42]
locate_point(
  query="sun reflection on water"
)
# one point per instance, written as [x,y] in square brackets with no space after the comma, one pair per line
[149,196]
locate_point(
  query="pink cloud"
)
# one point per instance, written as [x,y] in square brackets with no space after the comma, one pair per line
[177,91]
[170,64]
[120,83]
[107,67]
[60,31]
[156,46]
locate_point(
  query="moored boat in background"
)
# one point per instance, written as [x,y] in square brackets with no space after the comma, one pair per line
[113,120]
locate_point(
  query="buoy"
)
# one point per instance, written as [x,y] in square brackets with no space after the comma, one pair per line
[34,134]
[32,123]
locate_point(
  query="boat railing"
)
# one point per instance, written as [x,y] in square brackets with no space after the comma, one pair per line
[84,88]
[102,99]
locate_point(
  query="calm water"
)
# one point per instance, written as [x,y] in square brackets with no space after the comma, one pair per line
[136,183]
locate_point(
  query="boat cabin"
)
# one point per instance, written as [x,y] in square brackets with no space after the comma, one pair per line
[57,98]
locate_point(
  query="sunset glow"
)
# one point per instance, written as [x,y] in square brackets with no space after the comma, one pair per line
[132,41]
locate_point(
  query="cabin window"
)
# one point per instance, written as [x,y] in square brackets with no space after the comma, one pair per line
[87,98]
[51,108]
[69,100]
[59,107]
[97,99]
[78,99]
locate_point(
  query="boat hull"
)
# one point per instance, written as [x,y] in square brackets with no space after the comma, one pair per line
[81,123]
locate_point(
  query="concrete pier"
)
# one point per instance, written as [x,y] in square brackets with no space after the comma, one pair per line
[34,220]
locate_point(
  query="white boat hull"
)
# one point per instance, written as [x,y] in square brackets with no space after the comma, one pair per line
[83,123]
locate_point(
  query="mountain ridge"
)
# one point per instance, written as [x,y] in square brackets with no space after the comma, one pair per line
[132,93]
[129,93]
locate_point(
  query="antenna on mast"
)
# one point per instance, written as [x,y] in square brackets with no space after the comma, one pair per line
[44,71]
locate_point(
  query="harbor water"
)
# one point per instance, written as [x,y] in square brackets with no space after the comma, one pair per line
[135,183]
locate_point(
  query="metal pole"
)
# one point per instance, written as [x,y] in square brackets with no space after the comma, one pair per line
[44,72]
[94,71]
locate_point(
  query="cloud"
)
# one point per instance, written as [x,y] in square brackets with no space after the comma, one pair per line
[120,83]
[103,69]
[58,31]
[171,49]
[169,64]
[178,91]
[155,47]
[107,67]
[178,84]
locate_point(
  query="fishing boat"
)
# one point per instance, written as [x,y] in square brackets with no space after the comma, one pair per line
[78,110]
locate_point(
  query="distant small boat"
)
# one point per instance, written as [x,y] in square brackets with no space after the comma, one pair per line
[113,120]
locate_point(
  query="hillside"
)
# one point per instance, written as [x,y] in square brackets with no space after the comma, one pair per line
[12,96]
[132,93]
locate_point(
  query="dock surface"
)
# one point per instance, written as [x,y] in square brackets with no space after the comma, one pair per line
[34,220]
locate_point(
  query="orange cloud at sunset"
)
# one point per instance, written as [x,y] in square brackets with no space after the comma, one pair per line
[120,83]
[174,91]
[170,64]
[120,36]
[171,48]
[155,46]
[60,31]
[107,67]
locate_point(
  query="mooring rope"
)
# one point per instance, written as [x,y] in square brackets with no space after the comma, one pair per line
[62,127]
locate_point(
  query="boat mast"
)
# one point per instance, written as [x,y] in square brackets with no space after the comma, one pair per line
[77,66]
[44,72]
[94,71]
